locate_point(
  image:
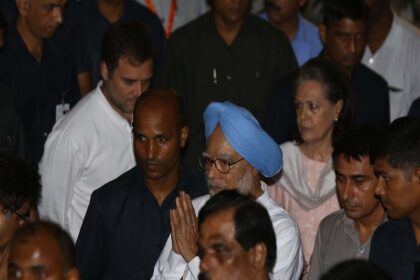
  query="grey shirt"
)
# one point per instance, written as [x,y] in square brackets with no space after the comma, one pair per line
[337,240]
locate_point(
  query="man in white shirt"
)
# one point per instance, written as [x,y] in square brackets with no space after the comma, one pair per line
[393,51]
[92,144]
[238,154]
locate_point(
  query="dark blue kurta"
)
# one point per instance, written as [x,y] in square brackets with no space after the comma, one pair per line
[37,87]
[125,229]
[394,248]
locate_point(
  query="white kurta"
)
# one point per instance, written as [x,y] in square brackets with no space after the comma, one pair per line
[397,61]
[89,147]
[289,261]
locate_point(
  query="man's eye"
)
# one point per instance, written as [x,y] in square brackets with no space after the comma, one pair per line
[140,138]
[162,139]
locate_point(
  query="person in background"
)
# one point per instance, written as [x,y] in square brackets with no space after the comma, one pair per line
[93,143]
[393,51]
[306,187]
[303,35]
[343,33]
[346,233]
[226,54]
[43,90]
[395,244]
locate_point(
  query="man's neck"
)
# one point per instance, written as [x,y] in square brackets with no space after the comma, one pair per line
[415,222]
[367,225]
[111,10]
[33,44]
[227,29]
[378,30]
[347,72]
[290,28]
[162,187]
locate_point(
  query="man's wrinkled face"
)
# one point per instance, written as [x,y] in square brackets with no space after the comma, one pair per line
[344,42]
[356,183]
[241,175]
[231,11]
[222,257]
[399,190]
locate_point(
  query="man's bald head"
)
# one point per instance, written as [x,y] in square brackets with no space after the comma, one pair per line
[161,99]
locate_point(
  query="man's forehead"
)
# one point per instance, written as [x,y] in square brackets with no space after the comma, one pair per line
[218,146]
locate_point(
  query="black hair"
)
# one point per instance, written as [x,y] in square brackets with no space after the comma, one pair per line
[334,11]
[355,269]
[63,239]
[356,143]
[127,39]
[252,221]
[19,183]
[2,21]
[336,88]
[400,144]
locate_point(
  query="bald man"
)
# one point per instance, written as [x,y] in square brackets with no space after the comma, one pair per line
[127,221]
[238,155]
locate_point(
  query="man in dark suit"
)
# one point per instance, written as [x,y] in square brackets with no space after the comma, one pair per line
[127,222]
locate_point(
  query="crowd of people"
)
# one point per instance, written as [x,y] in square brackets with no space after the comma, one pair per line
[144,139]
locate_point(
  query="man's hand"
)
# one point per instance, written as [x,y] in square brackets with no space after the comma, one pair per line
[184,228]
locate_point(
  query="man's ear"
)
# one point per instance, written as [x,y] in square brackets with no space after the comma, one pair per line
[416,175]
[72,274]
[258,256]
[23,7]
[104,67]
[183,136]
[323,33]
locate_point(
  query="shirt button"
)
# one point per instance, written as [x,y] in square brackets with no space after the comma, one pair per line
[229,77]
[361,250]
[371,60]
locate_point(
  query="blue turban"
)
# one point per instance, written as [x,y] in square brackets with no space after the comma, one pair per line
[245,135]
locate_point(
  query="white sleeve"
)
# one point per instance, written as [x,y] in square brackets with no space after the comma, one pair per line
[193,269]
[289,262]
[60,169]
[170,265]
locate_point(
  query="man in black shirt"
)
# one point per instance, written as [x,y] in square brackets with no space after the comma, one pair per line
[127,222]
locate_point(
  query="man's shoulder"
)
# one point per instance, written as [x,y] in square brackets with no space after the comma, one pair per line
[391,229]
[332,220]
[264,31]
[199,202]
[367,76]
[193,28]
[119,186]
[135,10]
[79,120]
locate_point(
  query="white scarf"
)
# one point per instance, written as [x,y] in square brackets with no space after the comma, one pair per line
[295,181]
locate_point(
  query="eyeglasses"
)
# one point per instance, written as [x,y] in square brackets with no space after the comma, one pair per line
[222,165]
[7,212]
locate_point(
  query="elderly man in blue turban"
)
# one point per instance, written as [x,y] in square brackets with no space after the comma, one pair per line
[239,155]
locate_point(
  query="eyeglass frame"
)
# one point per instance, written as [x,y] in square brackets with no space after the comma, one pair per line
[214,161]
